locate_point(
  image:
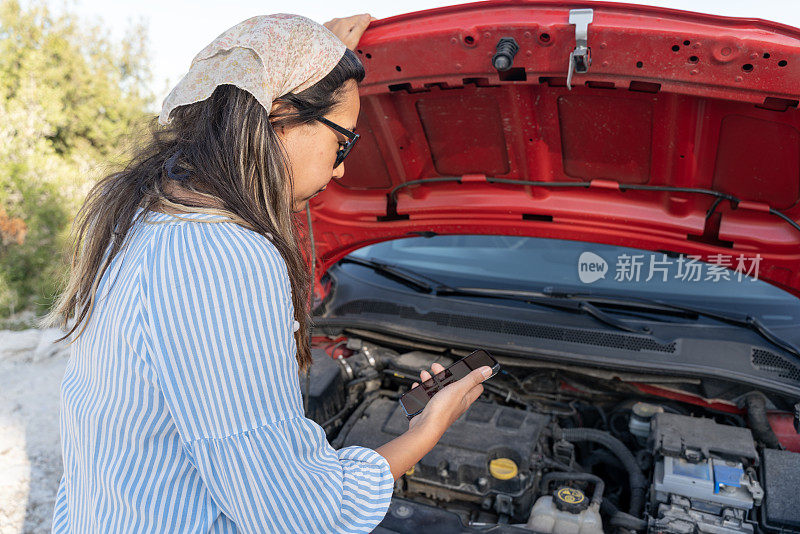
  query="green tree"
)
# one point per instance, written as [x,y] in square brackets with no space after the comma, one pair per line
[72,100]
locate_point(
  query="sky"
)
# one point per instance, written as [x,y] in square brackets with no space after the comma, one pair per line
[180,29]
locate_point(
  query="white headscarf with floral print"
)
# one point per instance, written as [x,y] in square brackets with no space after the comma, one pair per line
[268,56]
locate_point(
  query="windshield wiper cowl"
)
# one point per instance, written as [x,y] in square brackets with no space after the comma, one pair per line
[579,306]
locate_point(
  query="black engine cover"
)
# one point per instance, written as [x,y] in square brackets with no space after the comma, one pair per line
[781,481]
[485,432]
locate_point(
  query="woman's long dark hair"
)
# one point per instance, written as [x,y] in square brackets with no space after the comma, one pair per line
[233,157]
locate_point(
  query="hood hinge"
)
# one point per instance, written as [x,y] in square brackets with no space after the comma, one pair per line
[581,57]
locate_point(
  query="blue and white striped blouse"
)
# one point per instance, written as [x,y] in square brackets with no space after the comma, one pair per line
[181,408]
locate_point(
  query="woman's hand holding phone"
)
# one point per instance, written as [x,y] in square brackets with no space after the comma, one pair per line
[426,428]
[451,401]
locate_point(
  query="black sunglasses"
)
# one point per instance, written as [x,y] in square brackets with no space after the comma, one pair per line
[351,136]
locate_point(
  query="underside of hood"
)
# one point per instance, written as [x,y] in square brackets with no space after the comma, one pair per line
[683,135]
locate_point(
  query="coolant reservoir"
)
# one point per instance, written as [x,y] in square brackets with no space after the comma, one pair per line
[568,511]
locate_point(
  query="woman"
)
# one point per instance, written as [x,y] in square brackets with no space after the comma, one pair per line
[180,407]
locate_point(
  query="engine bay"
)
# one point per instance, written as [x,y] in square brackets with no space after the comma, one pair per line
[557,450]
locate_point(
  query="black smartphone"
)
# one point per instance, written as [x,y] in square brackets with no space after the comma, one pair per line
[414,400]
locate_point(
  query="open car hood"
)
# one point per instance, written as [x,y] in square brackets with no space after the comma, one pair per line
[682,136]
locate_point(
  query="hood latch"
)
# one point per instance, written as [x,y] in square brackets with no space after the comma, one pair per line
[581,57]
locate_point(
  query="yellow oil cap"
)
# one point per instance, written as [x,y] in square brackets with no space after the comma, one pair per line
[503,468]
[411,470]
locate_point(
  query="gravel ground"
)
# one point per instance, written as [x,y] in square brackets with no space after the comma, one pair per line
[31,369]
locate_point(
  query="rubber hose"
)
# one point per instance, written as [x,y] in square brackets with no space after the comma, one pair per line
[627,521]
[621,519]
[756,405]
[635,477]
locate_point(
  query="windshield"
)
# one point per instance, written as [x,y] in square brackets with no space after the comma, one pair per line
[729,283]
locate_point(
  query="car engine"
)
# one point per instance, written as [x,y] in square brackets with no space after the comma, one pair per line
[548,451]
[489,457]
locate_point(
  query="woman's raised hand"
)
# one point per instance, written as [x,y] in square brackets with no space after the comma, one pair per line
[350,29]
[450,402]
[425,429]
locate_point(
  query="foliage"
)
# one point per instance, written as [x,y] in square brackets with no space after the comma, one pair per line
[71,102]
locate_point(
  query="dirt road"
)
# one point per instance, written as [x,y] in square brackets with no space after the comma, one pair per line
[31,369]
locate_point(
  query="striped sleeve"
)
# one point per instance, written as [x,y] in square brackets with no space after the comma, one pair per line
[220,316]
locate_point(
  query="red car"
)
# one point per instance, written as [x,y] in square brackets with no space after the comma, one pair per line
[605,198]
